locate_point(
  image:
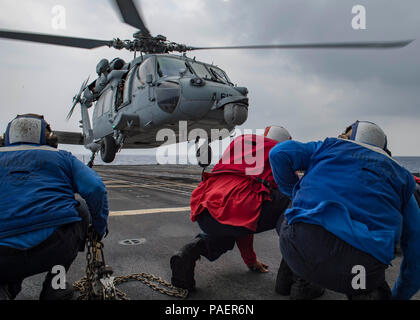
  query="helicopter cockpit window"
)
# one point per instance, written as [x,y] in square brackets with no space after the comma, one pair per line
[201,70]
[219,74]
[147,67]
[171,66]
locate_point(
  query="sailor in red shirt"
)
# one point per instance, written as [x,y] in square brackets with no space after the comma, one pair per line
[237,199]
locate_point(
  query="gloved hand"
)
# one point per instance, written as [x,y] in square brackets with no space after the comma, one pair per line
[97,237]
[258,266]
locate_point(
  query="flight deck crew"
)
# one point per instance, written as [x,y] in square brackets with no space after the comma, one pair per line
[347,211]
[42,225]
[417,191]
[237,199]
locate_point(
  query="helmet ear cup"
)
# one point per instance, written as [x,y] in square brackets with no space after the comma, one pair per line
[52,140]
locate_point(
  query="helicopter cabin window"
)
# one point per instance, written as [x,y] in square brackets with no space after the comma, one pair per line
[147,67]
[167,66]
[201,70]
[104,103]
[108,94]
[128,86]
[97,112]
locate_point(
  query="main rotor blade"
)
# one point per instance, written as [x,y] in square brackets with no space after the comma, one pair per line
[56,40]
[132,15]
[336,45]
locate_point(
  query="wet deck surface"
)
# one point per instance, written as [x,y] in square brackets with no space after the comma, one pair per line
[151,203]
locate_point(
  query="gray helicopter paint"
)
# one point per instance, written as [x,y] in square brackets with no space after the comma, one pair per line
[140,117]
[198,102]
[101,124]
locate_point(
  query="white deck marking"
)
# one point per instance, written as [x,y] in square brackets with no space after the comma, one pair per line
[147,211]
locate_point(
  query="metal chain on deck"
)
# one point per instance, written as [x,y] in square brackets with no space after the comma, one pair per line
[99,285]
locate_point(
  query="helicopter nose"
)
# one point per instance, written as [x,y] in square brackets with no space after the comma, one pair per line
[197,96]
[200,96]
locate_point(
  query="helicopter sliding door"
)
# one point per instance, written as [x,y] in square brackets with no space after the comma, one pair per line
[141,93]
[128,87]
[103,114]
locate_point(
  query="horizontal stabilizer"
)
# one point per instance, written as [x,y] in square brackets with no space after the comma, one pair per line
[66,137]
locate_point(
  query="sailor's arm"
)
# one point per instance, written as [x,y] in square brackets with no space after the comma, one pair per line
[246,248]
[89,185]
[288,157]
[408,282]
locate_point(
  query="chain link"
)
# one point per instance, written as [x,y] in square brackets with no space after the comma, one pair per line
[86,284]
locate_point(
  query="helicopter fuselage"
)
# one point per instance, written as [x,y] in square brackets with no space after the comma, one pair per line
[158,91]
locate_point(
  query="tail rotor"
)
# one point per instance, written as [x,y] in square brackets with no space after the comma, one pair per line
[77,98]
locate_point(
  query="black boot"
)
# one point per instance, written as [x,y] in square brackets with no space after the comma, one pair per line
[49,293]
[284,279]
[183,264]
[304,290]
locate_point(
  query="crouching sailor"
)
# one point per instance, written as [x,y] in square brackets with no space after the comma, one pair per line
[347,212]
[237,199]
[42,225]
[417,192]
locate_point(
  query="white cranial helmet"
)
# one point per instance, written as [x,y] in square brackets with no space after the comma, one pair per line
[277,133]
[30,128]
[370,133]
[27,128]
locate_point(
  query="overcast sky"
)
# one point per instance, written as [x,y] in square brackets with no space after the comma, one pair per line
[313,93]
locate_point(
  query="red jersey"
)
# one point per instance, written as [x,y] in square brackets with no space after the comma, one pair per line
[236,187]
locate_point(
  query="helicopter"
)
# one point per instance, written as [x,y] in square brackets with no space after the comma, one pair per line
[133,100]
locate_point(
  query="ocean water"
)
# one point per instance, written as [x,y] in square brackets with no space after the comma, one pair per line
[410,163]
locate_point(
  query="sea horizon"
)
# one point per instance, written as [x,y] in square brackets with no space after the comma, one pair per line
[411,163]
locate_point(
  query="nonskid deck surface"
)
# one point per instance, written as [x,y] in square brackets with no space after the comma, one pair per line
[150,205]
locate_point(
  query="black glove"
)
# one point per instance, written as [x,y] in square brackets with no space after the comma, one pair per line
[97,237]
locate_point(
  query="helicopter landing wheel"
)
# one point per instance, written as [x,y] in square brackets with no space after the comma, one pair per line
[108,149]
[204,155]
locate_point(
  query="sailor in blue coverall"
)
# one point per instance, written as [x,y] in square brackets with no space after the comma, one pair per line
[352,204]
[41,222]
